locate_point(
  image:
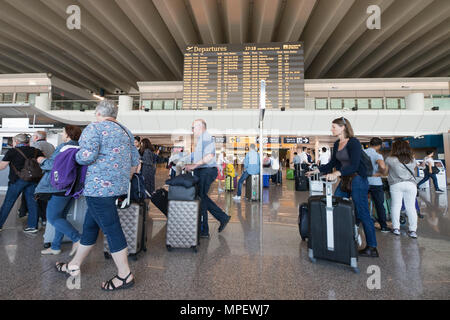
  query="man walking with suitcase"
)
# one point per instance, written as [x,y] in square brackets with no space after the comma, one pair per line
[205,168]
[251,166]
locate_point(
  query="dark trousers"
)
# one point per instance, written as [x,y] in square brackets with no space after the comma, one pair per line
[42,208]
[206,177]
[427,176]
[377,195]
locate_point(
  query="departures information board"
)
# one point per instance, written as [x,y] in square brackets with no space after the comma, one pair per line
[229,76]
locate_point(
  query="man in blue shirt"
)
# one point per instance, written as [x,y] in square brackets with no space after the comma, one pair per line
[375,184]
[251,167]
[205,168]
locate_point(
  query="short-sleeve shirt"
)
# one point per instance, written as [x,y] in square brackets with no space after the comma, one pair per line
[109,152]
[18,161]
[205,145]
[374,157]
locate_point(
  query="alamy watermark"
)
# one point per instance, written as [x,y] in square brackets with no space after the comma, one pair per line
[374,280]
[73,22]
[374,20]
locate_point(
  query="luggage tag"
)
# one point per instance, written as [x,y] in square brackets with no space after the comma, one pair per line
[329,209]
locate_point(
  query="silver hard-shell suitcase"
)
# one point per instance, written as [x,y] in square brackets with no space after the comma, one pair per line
[132,220]
[75,216]
[252,188]
[183,224]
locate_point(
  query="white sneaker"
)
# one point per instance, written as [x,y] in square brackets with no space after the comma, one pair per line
[50,251]
[396,232]
[237,198]
[412,234]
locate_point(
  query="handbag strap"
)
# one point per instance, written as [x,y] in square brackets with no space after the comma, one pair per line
[409,171]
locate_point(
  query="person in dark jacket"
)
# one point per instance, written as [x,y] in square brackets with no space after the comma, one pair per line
[59,204]
[346,158]
[149,159]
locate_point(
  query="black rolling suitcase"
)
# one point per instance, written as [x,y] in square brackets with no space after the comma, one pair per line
[301,183]
[160,198]
[332,230]
[303,222]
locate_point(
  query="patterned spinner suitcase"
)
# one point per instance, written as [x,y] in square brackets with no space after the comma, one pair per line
[183,224]
[133,222]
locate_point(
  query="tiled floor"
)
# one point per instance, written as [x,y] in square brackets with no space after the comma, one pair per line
[250,259]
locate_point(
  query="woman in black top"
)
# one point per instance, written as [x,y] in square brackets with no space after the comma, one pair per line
[148,164]
[346,158]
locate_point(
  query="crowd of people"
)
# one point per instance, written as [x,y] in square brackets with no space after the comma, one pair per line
[111,155]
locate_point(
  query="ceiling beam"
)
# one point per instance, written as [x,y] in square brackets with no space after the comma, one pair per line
[236,19]
[403,59]
[265,14]
[145,17]
[399,14]
[431,16]
[293,21]
[175,15]
[352,26]
[323,21]
[206,15]
[435,68]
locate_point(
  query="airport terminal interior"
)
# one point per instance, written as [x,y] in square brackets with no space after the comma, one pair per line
[268,73]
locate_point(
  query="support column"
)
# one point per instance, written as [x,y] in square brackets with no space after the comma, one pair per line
[415,102]
[125,103]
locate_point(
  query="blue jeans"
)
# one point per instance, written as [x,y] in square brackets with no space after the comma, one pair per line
[207,176]
[427,176]
[360,188]
[102,214]
[57,209]
[244,176]
[377,194]
[13,192]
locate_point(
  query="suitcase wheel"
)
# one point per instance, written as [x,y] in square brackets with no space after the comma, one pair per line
[194,248]
[133,257]
[356,270]
[107,255]
[169,248]
[402,220]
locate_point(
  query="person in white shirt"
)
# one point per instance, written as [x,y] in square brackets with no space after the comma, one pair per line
[429,171]
[324,157]
[304,163]
[221,163]
[276,168]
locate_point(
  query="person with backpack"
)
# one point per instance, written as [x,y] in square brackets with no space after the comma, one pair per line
[58,204]
[350,161]
[376,190]
[147,168]
[24,175]
[402,184]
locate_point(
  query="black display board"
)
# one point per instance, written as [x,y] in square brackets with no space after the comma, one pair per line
[229,76]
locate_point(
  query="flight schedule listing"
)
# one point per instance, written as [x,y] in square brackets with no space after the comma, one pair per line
[229,76]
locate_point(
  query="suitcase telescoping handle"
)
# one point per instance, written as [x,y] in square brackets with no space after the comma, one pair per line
[329,208]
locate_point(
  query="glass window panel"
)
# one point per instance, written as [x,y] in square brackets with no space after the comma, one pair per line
[169,104]
[336,103]
[402,103]
[147,104]
[158,104]
[376,103]
[321,104]
[8,98]
[1,97]
[349,103]
[443,103]
[21,97]
[363,103]
[32,98]
[179,104]
[392,103]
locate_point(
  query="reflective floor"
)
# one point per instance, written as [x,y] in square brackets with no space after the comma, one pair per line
[250,259]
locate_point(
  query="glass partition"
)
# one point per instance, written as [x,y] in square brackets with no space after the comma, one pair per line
[179,104]
[157,104]
[349,103]
[363,103]
[376,103]
[336,103]
[169,104]
[321,103]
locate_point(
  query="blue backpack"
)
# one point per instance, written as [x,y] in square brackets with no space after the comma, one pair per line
[137,192]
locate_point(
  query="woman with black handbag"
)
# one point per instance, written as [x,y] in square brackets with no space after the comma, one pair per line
[430,171]
[348,158]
